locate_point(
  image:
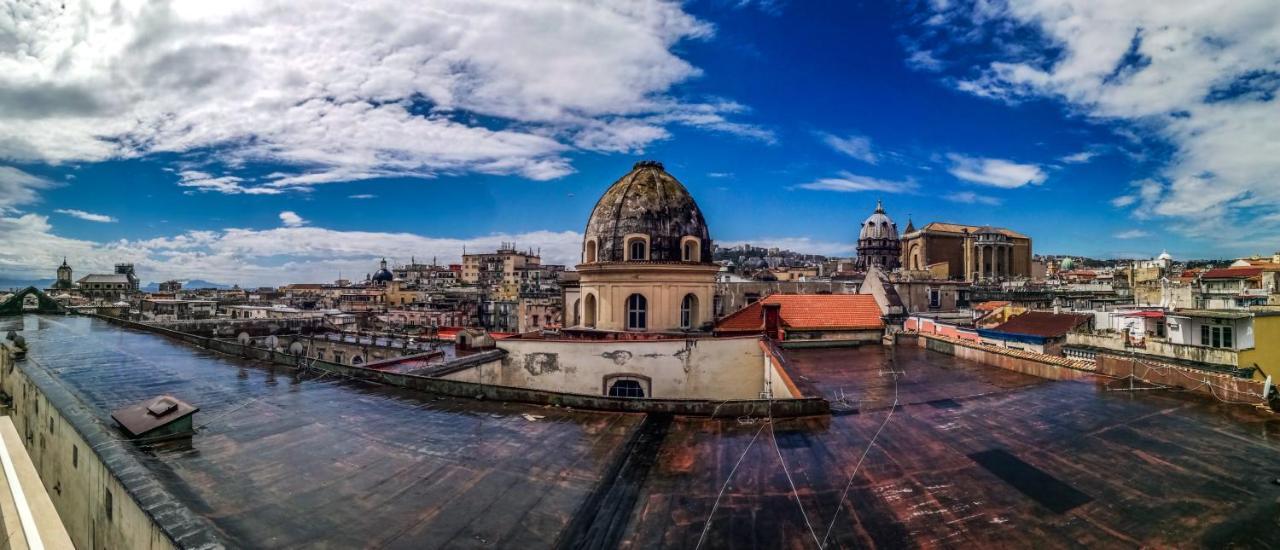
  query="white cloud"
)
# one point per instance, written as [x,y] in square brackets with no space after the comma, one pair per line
[995,172]
[851,183]
[291,219]
[18,188]
[858,147]
[1124,200]
[1132,234]
[30,249]
[87,216]
[362,196]
[337,91]
[924,60]
[1201,76]
[969,197]
[1079,158]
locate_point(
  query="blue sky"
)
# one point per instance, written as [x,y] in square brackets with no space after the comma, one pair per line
[206,151]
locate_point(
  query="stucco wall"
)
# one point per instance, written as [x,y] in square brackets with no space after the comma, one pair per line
[715,368]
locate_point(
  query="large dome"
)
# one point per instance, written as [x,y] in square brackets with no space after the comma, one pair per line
[879,226]
[647,203]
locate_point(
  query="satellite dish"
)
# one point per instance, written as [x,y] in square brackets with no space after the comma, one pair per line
[272,342]
[296,348]
[244,338]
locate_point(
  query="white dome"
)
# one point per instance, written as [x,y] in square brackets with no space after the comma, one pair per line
[879,226]
[1164,256]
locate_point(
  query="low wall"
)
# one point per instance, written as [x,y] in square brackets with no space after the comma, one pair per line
[1151,346]
[456,388]
[1223,386]
[705,368]
[1035,364]
[104,495]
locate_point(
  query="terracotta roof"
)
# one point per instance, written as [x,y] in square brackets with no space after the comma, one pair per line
[960,228]
[1043,323]
[809,311]
[1232,273]
[991,306]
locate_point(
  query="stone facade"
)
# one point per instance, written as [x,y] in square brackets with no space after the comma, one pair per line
[967,252]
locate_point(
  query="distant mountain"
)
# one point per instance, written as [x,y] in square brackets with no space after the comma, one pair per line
[192,284]
[6,284]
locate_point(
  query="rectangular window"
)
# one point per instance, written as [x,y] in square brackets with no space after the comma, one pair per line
[107,503]
[1227,338]
[1217,337]
[935,298]
[1204,335]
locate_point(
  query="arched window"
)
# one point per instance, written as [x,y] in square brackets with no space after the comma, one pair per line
[577,312]
[591,252]
[589,311]
[688,251]
[357,360]
[638,249]
[635,386]
[688,311]
[637,312]
[623,387]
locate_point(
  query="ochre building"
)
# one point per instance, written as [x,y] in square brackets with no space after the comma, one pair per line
[967,252]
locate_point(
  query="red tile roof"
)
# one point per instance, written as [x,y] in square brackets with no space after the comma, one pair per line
[809,311]
[1232,273]
[991,306]
[1043,323]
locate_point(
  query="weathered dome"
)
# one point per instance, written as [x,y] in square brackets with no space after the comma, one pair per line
[650,202]
[879,226]
[382,275]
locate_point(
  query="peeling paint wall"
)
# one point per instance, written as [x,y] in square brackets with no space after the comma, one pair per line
[712,368]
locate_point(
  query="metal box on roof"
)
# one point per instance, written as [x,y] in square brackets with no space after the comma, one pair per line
[157,418]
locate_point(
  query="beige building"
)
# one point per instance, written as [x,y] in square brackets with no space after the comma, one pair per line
[646,258]
[503,270]
[967,252]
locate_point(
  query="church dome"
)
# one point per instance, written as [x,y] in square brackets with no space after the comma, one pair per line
[1068,264]
[382,275]
[879,226]
[1164,256]
[649,209]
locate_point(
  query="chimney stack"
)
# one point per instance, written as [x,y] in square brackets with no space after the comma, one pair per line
[772,320]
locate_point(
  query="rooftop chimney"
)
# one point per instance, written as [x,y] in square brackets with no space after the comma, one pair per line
[772,320]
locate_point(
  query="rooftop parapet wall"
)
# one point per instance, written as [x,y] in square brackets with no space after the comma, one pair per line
[1152,346]
[1035,364]
[1224,387]
[104,495]
[693,407]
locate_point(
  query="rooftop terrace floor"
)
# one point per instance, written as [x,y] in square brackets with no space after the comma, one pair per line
[971,456]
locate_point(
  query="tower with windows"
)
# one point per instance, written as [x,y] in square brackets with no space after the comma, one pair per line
[646,257]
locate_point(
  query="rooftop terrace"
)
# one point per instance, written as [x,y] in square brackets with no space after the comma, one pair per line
[970,455]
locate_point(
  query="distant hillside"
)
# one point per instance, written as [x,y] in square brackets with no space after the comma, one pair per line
[7,284]
[192,284]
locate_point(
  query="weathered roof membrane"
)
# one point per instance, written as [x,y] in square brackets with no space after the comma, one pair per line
[291,460]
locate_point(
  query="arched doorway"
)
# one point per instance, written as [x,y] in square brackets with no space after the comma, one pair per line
[589,311]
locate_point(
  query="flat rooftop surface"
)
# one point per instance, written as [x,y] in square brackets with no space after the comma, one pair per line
[288,462]
[970,456]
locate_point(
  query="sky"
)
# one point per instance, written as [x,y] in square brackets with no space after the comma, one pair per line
[266,142]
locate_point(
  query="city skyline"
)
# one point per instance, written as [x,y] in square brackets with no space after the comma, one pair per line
[232,170]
